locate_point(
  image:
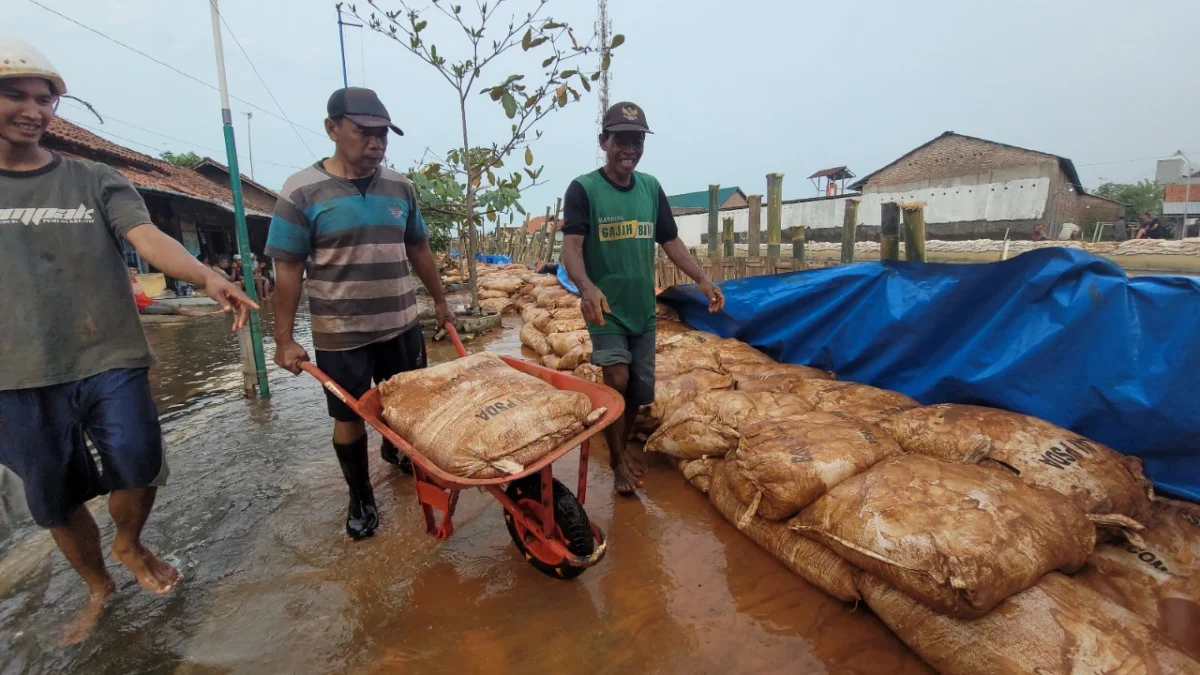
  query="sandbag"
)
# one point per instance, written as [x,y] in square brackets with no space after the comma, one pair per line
[777,378]
[1157,578]
[566,315]
[498,305]
[545,280]
[1058,627]
[734,353]
[486,294]
[665,311]
[858,400]
[498,282]
[477,417]
[666,329]
[531,313]
[684,354]
[811,561]
[672,392]
[782,465]
[576,356]
[567,301]
[520,302]
[956,537]
[707,426]
[552,325]
[562,343]
[1101,480]
[535,339]
[697,472]
[547,297]
[551,361]
[589,373]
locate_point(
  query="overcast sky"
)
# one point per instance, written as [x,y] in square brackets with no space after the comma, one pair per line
[732,90]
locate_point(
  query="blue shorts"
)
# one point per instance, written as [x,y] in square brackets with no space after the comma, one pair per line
[635,351]
[43,432]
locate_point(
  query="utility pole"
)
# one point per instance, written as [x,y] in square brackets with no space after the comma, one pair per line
[604,28]
[250,143]
[259,366]
[1187,194]
[342,44]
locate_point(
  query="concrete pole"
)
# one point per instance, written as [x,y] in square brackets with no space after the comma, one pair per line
[259,363]
[889,231]
[914,231]
[727,224]
[849,229]
[752,235]
[713,206]
[774,213]
[798,237]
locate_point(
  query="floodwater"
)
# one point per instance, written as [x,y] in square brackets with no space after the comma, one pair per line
[253,518]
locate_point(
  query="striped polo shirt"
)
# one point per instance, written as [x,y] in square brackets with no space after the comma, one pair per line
[360,288]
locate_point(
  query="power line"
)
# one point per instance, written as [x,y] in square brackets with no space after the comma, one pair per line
[260,77]
[173,68]
[179,140]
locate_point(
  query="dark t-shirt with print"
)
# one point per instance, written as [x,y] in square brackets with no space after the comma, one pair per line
[66,299]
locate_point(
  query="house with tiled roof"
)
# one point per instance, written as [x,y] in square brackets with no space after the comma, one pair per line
[194,209]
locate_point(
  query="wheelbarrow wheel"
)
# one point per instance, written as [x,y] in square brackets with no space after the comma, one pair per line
[574,527]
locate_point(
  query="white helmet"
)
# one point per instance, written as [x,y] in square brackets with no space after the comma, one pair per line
[18,59]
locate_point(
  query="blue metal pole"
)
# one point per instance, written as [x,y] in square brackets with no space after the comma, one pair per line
[342,44]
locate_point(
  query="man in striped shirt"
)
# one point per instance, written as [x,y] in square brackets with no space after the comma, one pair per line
[354,227]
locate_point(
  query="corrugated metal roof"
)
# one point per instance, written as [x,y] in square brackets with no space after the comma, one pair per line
[145,172]
[836,173]
[699,200]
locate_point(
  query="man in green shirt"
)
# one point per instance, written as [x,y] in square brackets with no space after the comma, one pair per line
[612,217]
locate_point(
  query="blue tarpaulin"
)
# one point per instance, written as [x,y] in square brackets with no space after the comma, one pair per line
[566,280]
[454,254]
[1056,333]
[493,259]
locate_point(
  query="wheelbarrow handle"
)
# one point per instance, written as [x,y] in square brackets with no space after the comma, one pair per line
[334,388]
[458,345]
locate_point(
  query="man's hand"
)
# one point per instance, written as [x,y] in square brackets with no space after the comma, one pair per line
[594,306]
[230,298]
[716,299]
[443,313]
[289,354]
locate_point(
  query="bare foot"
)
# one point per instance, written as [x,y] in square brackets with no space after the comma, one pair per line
[636,465]
[624,482]
[85,620]
[152,573]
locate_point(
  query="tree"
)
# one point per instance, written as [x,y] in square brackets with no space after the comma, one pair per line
[1138,198]
[185,159]
[525,103]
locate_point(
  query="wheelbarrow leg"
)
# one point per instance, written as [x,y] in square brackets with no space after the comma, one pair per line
[547,514]
[581,493]
[433,497]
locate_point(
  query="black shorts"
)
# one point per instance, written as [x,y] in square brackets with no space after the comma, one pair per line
[354,369]
[43,434]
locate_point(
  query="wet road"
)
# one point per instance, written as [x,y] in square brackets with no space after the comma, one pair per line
[253,519]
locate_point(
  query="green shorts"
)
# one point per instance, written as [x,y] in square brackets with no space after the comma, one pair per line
[635,351]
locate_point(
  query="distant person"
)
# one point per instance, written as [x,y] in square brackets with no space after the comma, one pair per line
[75,358]
[263,284]
[1149,228]
[1120,229]
[1039,233]
[1068,232]
[235,269]
[356,229]
[612,219]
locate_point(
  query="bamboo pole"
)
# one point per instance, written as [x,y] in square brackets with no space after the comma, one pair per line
[849,228]
[727,224]
[774,213]
[914,231]
[889,231]
[798,237]
[755,225]
[713,206]
[554,229]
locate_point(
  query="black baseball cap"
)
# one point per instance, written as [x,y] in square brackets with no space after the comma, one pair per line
[361,106]
[625,116]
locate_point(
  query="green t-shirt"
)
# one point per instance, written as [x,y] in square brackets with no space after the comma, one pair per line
[620,226]
[67,298]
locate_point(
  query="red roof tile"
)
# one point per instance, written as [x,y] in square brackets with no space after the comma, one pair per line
[143,171]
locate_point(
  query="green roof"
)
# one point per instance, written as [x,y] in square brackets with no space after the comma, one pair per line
[699,200]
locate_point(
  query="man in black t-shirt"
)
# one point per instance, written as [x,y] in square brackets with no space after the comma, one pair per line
[1150,228]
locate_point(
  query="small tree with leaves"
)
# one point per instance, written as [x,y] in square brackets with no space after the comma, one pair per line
[525,100]
[185,159]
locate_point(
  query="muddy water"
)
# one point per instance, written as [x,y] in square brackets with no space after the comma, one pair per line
[253,519]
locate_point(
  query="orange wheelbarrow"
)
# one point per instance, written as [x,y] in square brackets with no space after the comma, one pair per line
[545,520]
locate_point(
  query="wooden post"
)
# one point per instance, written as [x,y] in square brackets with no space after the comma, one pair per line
[774,213]
[849,227]
[755,224]
[554,228]
[889,231]
[914,231]
[541,245]
[798,237]
[727,222]
[713,207]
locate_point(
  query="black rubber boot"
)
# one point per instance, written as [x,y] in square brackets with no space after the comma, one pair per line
[362,517]
[391,455]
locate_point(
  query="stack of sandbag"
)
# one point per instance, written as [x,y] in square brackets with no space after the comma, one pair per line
[858,400]
[1057,627]
[477,417]
[1101,481]
[782,465]
[955,537]
[672,391]
[707,425]
[1157,578]
[777,378]
[812,561]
